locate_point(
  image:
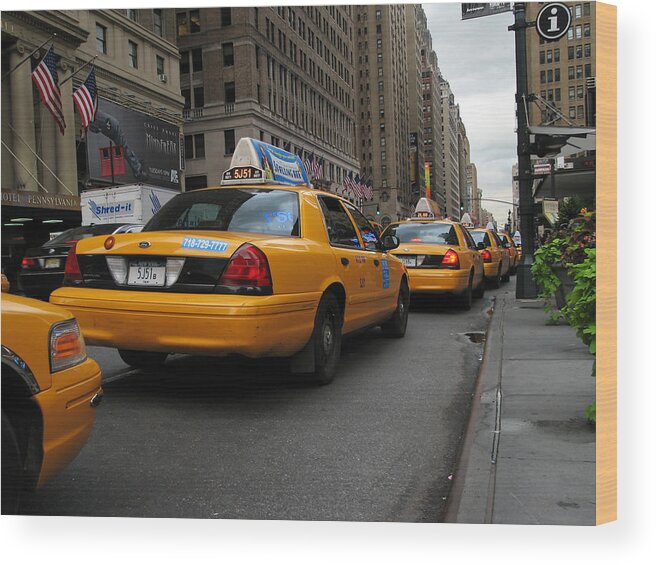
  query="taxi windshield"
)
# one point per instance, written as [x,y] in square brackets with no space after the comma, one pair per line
[424,233]
[254,210]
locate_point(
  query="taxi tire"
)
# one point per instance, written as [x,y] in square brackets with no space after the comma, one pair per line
[328,319]
[466,298]
[480,289]
[12,469]
[395,327]
[142,359]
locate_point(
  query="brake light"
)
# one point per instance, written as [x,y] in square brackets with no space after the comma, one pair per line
[72,271]
[451,259]
[67,347]
[248,267]
[487,256]
[29,263]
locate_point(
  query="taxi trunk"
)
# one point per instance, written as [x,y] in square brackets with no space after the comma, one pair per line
[433,268]
[196,292]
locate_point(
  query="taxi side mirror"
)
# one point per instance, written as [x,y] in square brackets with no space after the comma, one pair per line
[390,242]
[480,246]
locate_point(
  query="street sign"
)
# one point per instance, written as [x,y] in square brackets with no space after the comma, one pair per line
[470,11]
[553,21]
[542,169]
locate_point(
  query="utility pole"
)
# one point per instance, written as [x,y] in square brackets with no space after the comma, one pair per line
[526,287]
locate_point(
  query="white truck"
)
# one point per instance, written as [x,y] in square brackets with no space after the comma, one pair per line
[128,204]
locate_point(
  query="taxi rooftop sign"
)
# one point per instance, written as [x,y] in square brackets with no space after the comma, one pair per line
[256,162]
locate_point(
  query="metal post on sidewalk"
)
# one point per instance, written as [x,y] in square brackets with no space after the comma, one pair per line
[526,287]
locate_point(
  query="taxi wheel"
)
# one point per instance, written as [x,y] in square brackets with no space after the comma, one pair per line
[142,359]
[496,281]
[480,289]
[327,340]
[467,296]
[397,324]
[12,471]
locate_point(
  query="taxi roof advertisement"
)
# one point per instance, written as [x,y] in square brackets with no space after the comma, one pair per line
[125,147]
[279,165]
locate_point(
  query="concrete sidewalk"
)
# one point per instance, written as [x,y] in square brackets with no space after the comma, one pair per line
[529,453]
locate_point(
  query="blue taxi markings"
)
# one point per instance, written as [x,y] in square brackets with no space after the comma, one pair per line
[386,277]
[202,244]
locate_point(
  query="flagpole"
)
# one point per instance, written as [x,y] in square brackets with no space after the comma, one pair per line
[28,57]
[82,67]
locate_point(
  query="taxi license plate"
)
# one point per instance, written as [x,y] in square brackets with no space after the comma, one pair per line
[147,273]
[409,260]
[52,263]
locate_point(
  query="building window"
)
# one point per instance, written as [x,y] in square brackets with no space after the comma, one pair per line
[133,55]
[197,59]
[379,15]
[229,92]
[579,51]
[132,14]
[579,112]
[101,39]
[586,9]
[556,55]
[196,182]
[570,34]
[586,30]
[570,73]
[550,75]
[549,56]
[570,52]
[226,18]
[572,112]
[186,94]
[159,63]
[558,95]
[542,58]
[199,97]
[195,146]
[184,62]
[572,93]
[229,141]
[228,54]
[579,71]
[557,75]
[543,77]
[577,11]
[188,22]
[579,91]
[157,22]
[579,33]
[588,70]
[587,50]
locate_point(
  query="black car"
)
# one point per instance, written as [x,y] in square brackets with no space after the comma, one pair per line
[42,268]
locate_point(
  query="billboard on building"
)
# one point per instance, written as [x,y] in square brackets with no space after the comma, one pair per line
[472,10]
[125,146]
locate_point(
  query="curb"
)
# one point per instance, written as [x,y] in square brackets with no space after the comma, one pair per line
[471,499]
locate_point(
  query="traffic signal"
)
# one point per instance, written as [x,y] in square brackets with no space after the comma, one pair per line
[547,144]
[377,209]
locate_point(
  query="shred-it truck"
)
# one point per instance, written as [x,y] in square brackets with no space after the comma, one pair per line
[128,204]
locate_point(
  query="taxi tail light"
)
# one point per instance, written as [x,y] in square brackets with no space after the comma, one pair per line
[72,272]
[451,260]
[487,256]
[67,347]
[29,263]
[248,268]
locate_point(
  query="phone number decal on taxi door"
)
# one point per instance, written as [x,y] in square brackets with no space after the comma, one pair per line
[201,244]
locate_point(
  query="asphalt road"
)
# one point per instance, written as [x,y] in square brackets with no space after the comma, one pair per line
[237,439]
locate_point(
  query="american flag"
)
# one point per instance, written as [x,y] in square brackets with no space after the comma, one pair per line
[367,190]
[318,166]
[309,164]
[46,80]
[86,100]
[357,186]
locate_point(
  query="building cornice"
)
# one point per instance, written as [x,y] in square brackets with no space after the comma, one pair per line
[58,22]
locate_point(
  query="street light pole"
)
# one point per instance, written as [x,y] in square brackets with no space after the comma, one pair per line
[526,287]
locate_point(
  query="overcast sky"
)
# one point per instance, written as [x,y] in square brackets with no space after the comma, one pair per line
[477,58]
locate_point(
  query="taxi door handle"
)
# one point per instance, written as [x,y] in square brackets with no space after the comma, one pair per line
[376,262]
[345,261]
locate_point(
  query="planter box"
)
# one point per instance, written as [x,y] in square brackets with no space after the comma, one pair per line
[566,284]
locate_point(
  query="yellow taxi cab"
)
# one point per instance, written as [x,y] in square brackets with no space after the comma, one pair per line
[496,260]
[441,258]
[50,390]
[513,253]
[262,266]
[517,240]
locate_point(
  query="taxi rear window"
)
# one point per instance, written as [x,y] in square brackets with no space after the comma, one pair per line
[444,234]
[481,236]
[254,210]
